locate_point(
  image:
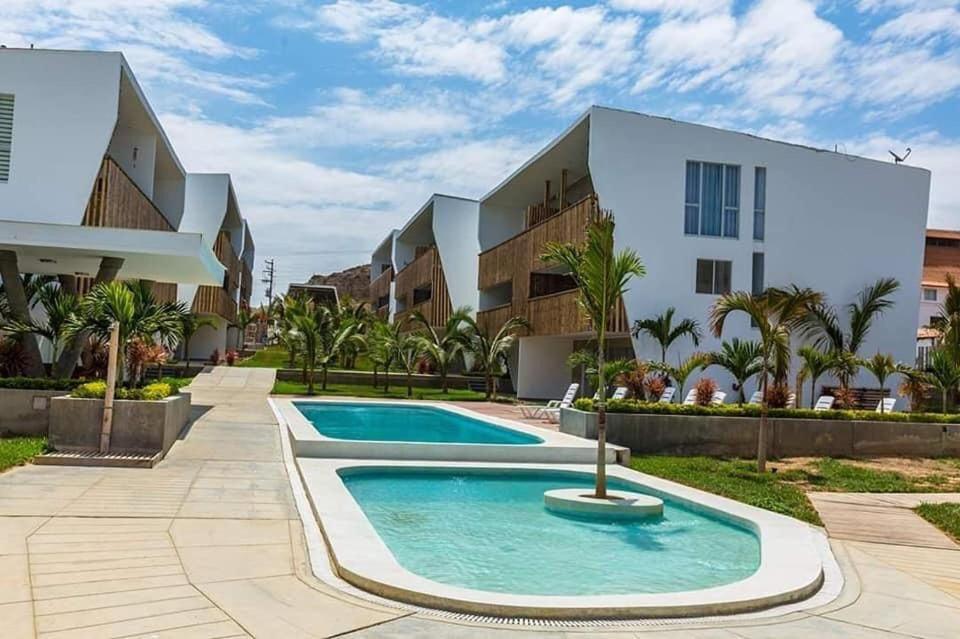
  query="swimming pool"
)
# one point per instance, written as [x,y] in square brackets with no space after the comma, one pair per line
[490,531]
[404,423]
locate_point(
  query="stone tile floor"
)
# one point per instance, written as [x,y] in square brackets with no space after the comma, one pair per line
[209,545]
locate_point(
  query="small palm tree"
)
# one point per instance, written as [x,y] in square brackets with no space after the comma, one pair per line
[442,348]
[602,276]
[776,313]
[947,321]
[741,358]
[662,329]
[245,317]
[190,324]
[814,364]
[323,338]
[915,384]
[410,350]
[383,344]
[944,374]
[613,369]
[682,371]
[882,366]
[59,306]
[490,351]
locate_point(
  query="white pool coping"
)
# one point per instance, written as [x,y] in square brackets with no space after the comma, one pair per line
[554,446]
[791,562]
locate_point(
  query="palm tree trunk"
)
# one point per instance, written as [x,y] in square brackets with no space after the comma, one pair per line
[374,375]
[186,354]
[309,376]
[386,378]
[943,405]
[409,383]
[443,381]
[762,433]
[487,385]
[324,382]
[20,310]
[813,391]
[601,487]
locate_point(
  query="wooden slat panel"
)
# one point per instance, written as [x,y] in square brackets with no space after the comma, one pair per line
[215,301]
[117,202]
[165,292]
[381,285]
[492,319]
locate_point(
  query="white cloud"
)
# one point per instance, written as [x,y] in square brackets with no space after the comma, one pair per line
[899,82]
[674,7]
[880,5]
[920,25]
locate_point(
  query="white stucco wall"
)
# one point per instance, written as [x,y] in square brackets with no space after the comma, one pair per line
[135,152]
[834,223]
[455,230]
[208,338]
[64,115]
[930,309]
[541,369]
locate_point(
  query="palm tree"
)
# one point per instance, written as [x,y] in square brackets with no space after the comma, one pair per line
[944,374]
[383,345]
[741,358]
[682,371]
[914,384]
[442,348]
[490,351]
[661,329]
[410,350]
[882,366]
[16,302]
[601,275]
[190,324]
[814,365]
[357,315]
[776,313]
[323,338]
[948,320]
[245,317]
[823,322]
[131,305]
[58,307]
[613,369]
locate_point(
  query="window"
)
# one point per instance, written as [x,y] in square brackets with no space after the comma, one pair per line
[929,295]
[712,200]
[713,276]
[758,286]
[6,135]
[759,202]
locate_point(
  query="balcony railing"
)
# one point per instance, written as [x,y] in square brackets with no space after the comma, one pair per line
[380,286]
[117,202]
[213,300]
[492,319]
[425,270]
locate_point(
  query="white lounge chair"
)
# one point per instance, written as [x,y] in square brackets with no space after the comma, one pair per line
[667,396]
[791,400]
[691,397]
[538,412]
[620,392]
[825,402]
[756,398]
[718,397]
[887,403]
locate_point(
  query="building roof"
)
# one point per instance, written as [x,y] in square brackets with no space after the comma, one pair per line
[946,234]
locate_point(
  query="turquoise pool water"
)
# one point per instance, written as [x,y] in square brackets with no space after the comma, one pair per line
[394,423]
[491,532]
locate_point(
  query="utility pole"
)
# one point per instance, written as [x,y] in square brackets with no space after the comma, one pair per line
[268,276]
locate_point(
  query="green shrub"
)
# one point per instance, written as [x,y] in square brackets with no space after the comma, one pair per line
[150,392]
[732,410]
[40,383]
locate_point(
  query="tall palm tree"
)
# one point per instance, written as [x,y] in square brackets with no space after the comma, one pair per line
[741,358]
[882,366]
[662,329]
[410,350]
[245,317]
[602,275]
[442,348]
[190,325]
[776,313]
[944,374]
[323,338]
[814,364]
[383,345]
[490,351]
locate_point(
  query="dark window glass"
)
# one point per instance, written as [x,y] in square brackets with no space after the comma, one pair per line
[705,276]
[758,273]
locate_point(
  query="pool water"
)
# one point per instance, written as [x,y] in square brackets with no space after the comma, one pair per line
[490,531]
[392,423]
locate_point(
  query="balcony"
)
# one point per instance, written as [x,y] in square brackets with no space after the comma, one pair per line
[425,273]
[380,287]
[117,202]
[214,300]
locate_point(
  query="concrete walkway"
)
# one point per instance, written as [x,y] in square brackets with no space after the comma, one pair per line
[208,544]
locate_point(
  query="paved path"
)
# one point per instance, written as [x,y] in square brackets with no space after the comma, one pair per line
[208,544]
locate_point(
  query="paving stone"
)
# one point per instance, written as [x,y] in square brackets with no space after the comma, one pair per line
[228,532]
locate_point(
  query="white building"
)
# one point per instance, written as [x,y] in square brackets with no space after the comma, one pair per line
[435,254]
[941,258]
[709,211]
[382,270]
[90,186]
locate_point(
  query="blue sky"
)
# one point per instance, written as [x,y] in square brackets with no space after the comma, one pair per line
[338,119]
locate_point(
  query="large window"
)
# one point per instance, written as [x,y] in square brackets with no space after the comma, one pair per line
[713,276]
[759,202]
[712,200]
[6,135]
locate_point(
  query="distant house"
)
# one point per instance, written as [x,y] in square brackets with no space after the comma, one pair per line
[941,257]
[319,293]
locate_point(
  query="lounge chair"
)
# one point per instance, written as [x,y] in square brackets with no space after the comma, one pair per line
[667,396]
[791,400]
[825,402]
[887,403]
[691,397]
[756,398]
[538,412]
[718,397]
[620,393]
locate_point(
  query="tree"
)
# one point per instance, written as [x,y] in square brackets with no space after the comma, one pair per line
[882,366]
[944,374]
[490,351]
[383,345]
[245,317]
[602,276]
[613,369]
[59,306]
[914,384]
[442,348]
[682,371]
[190,324]
[948,320]
[131,305]
[661,329]
[775,313]
[410,350]
[741,358]
[814,364]
[323,338]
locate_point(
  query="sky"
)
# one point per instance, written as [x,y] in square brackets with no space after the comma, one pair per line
[337,120]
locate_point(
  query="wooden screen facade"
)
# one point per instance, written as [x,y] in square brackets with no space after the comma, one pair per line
[423,272]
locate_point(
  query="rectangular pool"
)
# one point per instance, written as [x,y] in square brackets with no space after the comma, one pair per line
[395,423]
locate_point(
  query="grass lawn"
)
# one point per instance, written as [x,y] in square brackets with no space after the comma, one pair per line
[277,357]
[785,491]
[19,450]
[397,391]
[946,517]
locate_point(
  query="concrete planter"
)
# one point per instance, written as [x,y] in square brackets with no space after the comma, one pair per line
[139,427]
[25,411]
[737,436]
